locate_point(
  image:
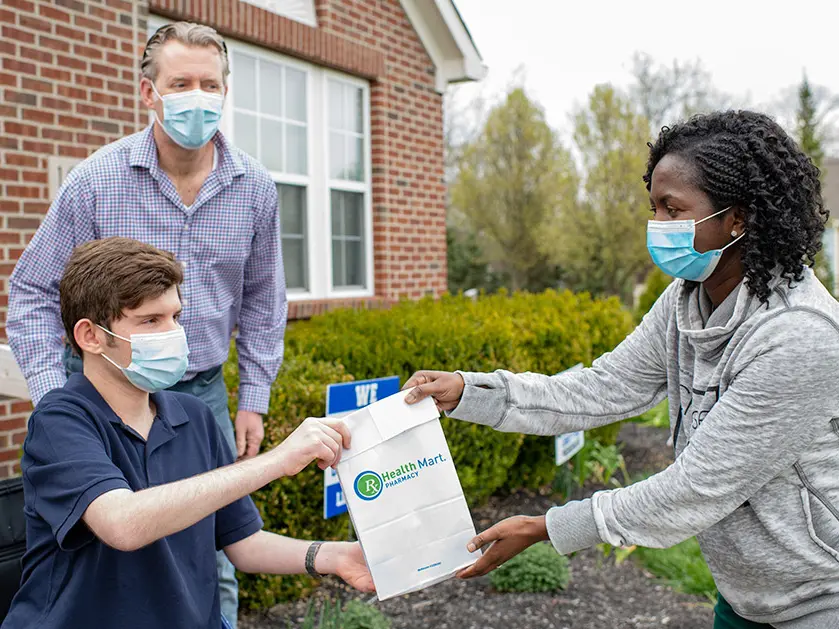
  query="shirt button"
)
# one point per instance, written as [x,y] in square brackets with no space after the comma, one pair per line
[186,228]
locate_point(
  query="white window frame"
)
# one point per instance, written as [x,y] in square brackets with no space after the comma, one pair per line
[364,187]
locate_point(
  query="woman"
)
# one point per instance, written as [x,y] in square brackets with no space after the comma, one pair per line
[745,345]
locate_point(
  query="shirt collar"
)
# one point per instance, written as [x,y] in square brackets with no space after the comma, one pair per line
[144,155]
[168,408]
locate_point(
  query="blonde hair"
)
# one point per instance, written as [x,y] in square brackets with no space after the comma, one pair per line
[189,34]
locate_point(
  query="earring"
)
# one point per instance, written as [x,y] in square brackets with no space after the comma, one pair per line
[734,234]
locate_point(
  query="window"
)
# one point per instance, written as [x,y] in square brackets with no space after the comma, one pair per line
[309,127]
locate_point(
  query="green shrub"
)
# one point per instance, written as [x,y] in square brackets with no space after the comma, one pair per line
[358,615]
[656,283]
[538,569]
[328,617]
[521,332]
[681,566]
[291,506]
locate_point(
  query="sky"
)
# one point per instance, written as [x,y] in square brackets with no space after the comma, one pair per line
[753,49]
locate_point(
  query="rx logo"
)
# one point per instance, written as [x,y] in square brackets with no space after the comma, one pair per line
[368,485]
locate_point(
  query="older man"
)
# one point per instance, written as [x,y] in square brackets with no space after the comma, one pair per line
[178,185]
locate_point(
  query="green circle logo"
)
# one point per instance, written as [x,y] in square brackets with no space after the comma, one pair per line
[368,485]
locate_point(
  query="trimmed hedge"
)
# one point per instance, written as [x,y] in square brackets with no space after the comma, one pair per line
[543,333]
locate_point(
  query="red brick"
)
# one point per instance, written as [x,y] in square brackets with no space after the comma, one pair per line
[103,14]
[17,159]
[53,44]
[120,60]
[101,42]
[89,80]
[36,55]
[10,32]
[12,424]
[22,67]
[23,192]
[87,52]
[104,70]
[46,148]
[72,122]
[89,138]
[7,17]
[70,91]
[38,115]
[35,24]
[56,103]
[8,47]
[15,222]
[85,22]
[56,75]
[73,151]
[61,135]
[52,13]
[104,98]
[12,207]
[119,5]
[18,437]
[71,62]
[10,455]
[17,128]
[73,5]
[9,174]
[123,88]
[36,208]
[35,85]
[8,79]
[120,32]
[35,176]
[70,32]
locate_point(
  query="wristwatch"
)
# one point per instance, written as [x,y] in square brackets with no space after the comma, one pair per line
[310,559]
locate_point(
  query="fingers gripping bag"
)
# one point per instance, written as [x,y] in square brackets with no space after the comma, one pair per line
[404,496]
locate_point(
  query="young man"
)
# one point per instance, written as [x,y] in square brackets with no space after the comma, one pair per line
[180,186]
[129,489]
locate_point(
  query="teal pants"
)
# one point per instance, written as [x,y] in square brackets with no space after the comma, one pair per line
[727,618]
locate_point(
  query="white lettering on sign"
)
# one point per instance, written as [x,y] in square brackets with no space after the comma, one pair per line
[339,499]
[366,394]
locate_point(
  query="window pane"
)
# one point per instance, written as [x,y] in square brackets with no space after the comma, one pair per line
[337,156]
[244,81]
[270,88]
[339,276]
[295,95]
[355,263]
[336,105]
[294,260]
[292,209]
[355,115]
[353,214]
[272,144]
[296,150]
[245,132]
[355,165]
[337,204]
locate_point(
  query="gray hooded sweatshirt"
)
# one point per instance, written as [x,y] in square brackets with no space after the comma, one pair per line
[754,415]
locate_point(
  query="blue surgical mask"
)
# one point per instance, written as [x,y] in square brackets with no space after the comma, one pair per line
[671,246]
[158,361]
[191,119]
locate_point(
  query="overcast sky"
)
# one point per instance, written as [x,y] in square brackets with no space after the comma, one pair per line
[753,49]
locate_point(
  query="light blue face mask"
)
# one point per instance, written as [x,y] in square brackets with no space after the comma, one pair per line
[158,361]
[191,119]
[670,244]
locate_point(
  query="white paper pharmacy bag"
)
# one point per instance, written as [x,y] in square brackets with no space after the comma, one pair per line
[404,497]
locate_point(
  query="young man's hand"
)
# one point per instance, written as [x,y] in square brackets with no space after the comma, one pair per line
[508,538]
[347,561]
[320,440]
[249,434]
[446,388]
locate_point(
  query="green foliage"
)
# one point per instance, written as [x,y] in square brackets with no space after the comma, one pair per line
[658,417]
[290,506]
[682,567]
[466,266]
[513,181]
[358,615]
[600,242]
[538,569]
[656,283]
[808,129]
[522,332]
[328,617]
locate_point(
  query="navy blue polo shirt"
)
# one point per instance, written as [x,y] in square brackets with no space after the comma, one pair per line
[76,450]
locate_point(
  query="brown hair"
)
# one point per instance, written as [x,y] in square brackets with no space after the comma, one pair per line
[189,34]
[105,277]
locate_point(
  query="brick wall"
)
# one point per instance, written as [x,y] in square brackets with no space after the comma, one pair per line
[68,76]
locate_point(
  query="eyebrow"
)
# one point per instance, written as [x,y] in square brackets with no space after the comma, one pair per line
[155,314]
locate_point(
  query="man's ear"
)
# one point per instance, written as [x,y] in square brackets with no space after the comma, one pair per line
[147,94]
[88,336]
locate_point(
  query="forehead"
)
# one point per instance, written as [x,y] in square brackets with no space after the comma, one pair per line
[168,302]
[674,176]
[177,59]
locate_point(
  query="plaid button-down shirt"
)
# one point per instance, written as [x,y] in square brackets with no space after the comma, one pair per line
[228,241]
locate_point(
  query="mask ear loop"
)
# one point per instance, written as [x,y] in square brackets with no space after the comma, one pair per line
[122,338]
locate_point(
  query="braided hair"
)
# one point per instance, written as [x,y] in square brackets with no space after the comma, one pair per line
[745,159]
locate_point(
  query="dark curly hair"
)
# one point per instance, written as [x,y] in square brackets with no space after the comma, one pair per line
[746,159]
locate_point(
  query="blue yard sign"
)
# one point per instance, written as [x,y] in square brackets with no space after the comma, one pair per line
[343,399]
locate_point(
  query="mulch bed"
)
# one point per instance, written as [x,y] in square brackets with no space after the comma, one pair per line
[602,595]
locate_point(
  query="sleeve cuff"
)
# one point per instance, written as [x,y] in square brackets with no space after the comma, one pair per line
[42,383]
[572,527]
[69,536]
[254,398]
[244,531]
[484,399]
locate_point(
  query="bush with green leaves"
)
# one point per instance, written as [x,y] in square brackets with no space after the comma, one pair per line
[358,615]
[538,569]
[543,333]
